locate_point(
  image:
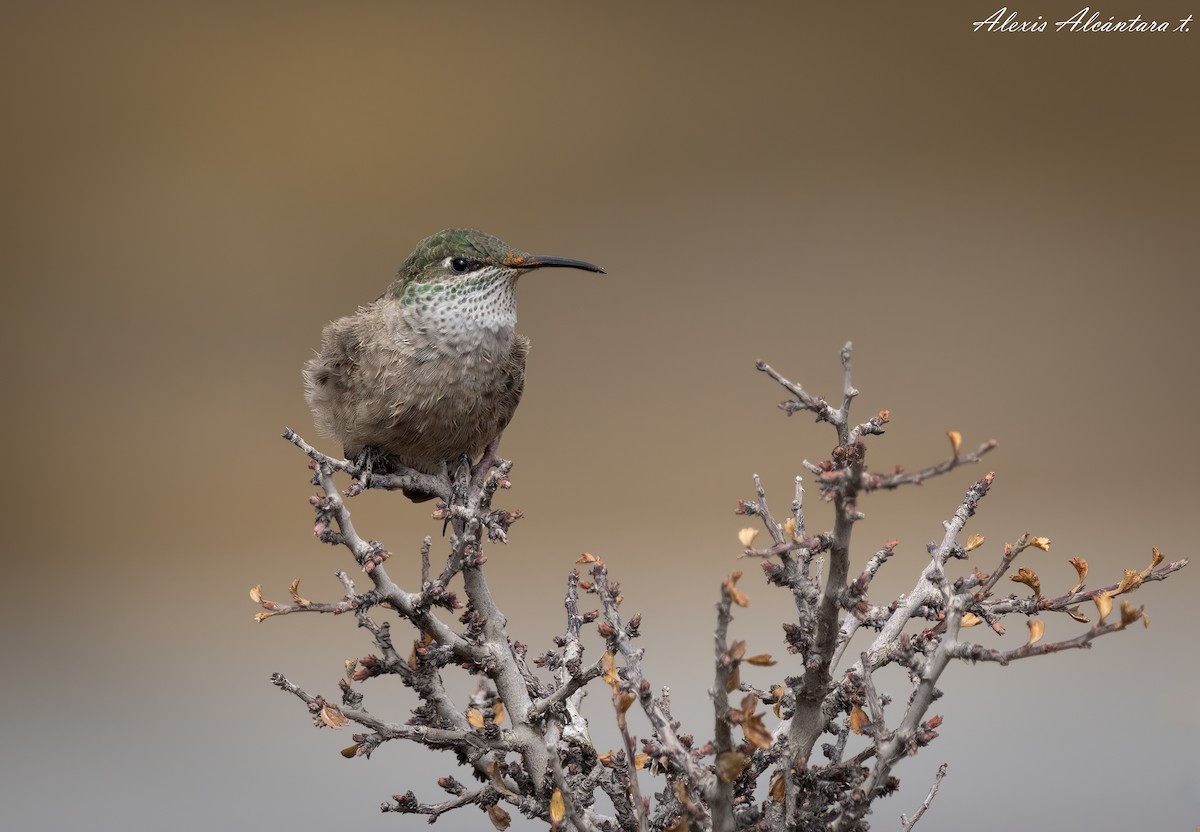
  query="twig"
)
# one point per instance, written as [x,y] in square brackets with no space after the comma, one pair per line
[908,823]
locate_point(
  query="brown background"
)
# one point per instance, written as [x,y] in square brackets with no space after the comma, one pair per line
[1003,224]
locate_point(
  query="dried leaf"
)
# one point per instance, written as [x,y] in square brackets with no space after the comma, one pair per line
[858,718]
[756,732]
[332,717]
[736,651]
[1029,578]
[1037,628]
[499,818]
[640,760]
[970,619]
[587,557]
[734,680]
[475,717]
[610,670]
[777,691]
[1103,603]
[955,441]
[1155,559]
[681,793]
[1082,568]
[256,594]
[778,789]
[263,616]
[350,665]
[730,585]
[498,713]
[295,590]
[1129,583]
[1129,613]
[789,527]
[746,536]
[625,700]
[973,542]
[1042,543]
[1077,615]
[493,770]
[761,660]
[730,765]
[605,759]
[558,807]
[350,752]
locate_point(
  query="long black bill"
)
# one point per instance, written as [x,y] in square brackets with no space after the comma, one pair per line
[534,262]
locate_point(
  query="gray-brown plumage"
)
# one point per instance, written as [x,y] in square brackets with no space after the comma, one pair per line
[433,370]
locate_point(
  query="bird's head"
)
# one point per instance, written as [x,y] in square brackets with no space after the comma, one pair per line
[464,257]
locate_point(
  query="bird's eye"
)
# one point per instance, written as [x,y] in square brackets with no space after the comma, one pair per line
[459,265]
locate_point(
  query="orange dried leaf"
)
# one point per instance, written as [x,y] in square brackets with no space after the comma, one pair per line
[587,557]
[789,527]
[1129,583]
[498,713]
[777,691]
[756,733]
[974,542]
[475,717]
[1103,603]
[955,441]
[625,700]
[332,717]
[738,597]
[1037,628]
[737,650]
[1042,543]
[730,765]
[858,718]
[558,807]
[1081,567]
[1029,578]
[610,670]
[640,760]
[970,619]
[734,680]
[295,590]
[499,818]
[1156,558]
[746,536]
[761,660]
[1129,613]
[605,759]
[1077,615]
[350,752]
[256,594]
[778,788]
[263,616]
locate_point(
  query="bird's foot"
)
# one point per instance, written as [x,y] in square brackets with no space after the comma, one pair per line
[365,463]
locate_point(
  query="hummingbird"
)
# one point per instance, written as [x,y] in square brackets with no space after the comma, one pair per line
[434,369]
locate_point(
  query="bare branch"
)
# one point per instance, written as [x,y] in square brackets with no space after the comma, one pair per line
[908,823]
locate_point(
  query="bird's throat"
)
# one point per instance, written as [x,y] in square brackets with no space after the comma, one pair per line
[476,313]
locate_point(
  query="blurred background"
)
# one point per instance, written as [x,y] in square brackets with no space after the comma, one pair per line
[1004,225]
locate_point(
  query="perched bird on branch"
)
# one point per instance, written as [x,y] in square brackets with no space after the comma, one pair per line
[434,369]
